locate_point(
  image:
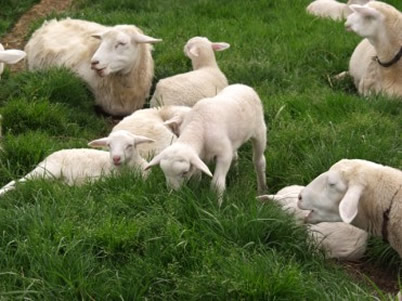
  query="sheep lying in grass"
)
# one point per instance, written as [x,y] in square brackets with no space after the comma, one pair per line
[9,56]
[332,9]
[206,79]
[115,62]
[214,129]
[79,165]
[150,123]
[358,192]
[375,65]
[339,240]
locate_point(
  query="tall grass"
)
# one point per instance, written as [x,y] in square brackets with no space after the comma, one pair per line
[123,238]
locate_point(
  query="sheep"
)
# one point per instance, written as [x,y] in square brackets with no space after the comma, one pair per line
[375,64]
[332,9]
[365,194]
[339,240]
[206,79]
[79,165]
[115,62]
[214,129]
[9,56]
[150,123]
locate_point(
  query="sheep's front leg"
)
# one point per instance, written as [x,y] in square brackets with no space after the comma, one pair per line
[219,179]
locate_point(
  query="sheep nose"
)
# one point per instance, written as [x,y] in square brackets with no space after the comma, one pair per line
[116,159]
[94,63]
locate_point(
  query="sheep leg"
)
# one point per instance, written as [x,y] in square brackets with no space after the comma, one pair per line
[221,170]
[259,161]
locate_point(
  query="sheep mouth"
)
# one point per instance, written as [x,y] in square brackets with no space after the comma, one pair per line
[100,71]
[117,163]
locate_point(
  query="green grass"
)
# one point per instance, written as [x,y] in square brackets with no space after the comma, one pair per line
[123,238]
[11,10]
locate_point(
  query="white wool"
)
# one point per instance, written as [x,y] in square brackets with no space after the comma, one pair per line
[359,192]
[9,56]
[150,123]
[339,240]
[80,165]
[332,9]
[115,62]
[206,79]
[213,130]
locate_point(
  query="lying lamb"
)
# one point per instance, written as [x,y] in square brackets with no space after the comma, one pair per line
[214,129]
[206,79]
[358,192]
[119,56]
[332,9]
[79,165]
[9,56]
[150,123]
[339,240]
[375,64]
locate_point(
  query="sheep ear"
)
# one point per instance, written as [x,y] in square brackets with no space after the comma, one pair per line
[142,38]
[220,46]
[155,161]
[365,11]
[11,56]
[348,207]
[266,197]
[98,142]
[198,163]
[97,35]
[193,51]
[142,139]
[174,124]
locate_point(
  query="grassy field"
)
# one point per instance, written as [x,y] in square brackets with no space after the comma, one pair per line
[11,10]
[125,239]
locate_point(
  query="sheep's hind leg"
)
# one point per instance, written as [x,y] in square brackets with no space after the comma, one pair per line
[259,161]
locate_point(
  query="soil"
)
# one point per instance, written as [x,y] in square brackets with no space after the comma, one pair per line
[384,279]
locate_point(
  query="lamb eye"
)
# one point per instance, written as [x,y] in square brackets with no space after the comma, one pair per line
[121,44]
[129,146]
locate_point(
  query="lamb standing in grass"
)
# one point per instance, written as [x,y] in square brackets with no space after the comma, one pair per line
[339,240]
[206,79]
[115,62]
[150,123]
[332,9]
[375,65]
[358,192]
[214,129]
[79,165]
[9,56]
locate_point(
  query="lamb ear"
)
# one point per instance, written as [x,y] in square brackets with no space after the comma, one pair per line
[266,197]
[198,163]
[98,35]
[11,56]
[155,161]
[142,38]
[174,124]
[348,207]
[142,139]
[98,142]
[365,11]
[193,51]
[220,46]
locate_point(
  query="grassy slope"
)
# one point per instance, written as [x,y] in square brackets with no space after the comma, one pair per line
[125,238]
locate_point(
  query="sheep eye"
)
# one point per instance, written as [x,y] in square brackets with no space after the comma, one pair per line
[121,44]
[129,146]
[184,173]
[108,145]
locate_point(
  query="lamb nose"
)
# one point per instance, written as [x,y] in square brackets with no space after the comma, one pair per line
[93,63]
[116,158]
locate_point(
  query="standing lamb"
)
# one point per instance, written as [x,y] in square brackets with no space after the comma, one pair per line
[332,9]
[375,65]
[9,56]
[150,123]
[358,192]
[115,62]
[214,129]
[79,165]
[206,79]
[339,240]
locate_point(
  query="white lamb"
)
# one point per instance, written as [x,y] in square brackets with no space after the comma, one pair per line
[80,165]
[115,62]
[358,192]
[214,129]
[206,79]
[150,123]
[375,65]
[332,9]
[339,240]
[9,56]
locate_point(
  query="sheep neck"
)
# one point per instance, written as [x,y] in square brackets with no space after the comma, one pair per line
[193,136]
[384,230]
[204,60]
[388,49]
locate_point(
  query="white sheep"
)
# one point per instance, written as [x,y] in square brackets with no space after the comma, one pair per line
[332,9]
[339,240]
[358,192]
[214,129]
[375,65]
[206,79]
[115,62]
[150,123]
[9,56]
[78,165]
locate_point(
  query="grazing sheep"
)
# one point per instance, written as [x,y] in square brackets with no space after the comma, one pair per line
[206,79]
[150,123]
[358,192]
[214,129]
[115,62]
[78,165]
[332,9]
[9,56]
[375,65]
[339,240]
